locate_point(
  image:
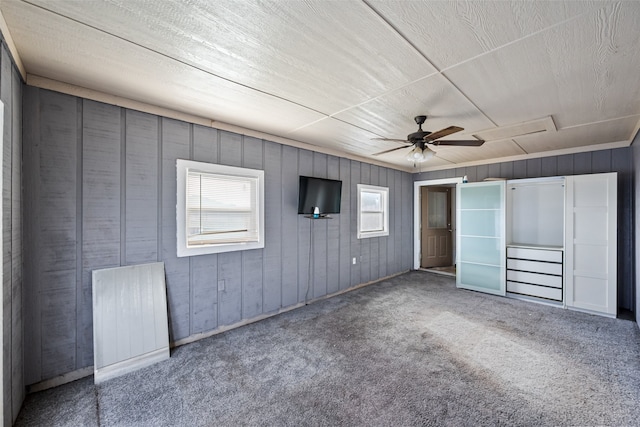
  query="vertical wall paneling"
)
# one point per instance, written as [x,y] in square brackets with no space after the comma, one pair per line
[230,287]
[407,214]
[365,244]
[399,250]
[622,162]
[81,333]
[56,237]
[204,283]
[230,152]
[482,172]
[17,294]
[141,192]
[601,161]
[272,254]
[384,241]
[176,144]
[31,193]
[252,264]
[101,159]
[6,95]
[471,173]
[494,171]
[581,163]
[345,224]
[252,153]
[374,243]
[333,235]
[518,169]
[305,254]
[320,230]
[252,261]
[634,155]
[534,168]
[355,242]
[205,144]
[230,263]
[549,166]
[204,268]
[506,170]
[108,193]
[289,193]
[393,209]
[13,311]
[565,164]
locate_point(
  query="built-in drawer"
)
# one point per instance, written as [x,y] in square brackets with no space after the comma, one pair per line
[534,254]
[536,291]
[535,266]
[534,278]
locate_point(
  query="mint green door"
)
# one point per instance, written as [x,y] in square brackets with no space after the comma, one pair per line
[480,237]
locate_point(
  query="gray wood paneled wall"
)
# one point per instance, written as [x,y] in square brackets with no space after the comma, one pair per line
[635,147]
[100,191]
[617,160]
[11,86]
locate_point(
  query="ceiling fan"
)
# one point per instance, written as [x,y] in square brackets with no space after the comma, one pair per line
[421,152]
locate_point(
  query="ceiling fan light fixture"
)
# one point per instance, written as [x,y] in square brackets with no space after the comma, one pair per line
[419,155]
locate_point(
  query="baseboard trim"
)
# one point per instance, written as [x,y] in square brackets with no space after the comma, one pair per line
[61,379]
[129,365]
[88,371]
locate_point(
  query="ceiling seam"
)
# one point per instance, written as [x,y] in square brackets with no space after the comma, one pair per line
[533,34]
[173,59]
[519,146]
[385,93]
[426,58]
[445,69]
[600,121]
[530,35]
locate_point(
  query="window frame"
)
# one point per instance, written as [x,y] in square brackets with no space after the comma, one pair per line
[182,170]
[384,192]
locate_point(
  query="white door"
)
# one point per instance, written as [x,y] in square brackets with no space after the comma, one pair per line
[480,237]
[591,239]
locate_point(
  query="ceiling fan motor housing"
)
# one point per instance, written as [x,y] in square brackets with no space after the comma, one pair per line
[417,136]
[420,134]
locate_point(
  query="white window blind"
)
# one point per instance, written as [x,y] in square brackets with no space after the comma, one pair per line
[221,208]
[373,211]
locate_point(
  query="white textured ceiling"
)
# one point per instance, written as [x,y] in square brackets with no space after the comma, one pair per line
[337,74]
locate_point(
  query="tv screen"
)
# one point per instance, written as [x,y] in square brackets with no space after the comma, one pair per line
[323,193]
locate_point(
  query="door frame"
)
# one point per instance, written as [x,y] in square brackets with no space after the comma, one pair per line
[417,212]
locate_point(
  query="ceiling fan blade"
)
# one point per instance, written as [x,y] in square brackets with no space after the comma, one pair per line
[388,151]
[459,142]
[391,139]
[442,133]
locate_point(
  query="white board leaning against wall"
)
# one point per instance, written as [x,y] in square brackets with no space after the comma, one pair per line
[130,325]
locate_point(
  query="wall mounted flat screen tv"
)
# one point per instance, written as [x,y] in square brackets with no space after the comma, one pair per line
[319,192]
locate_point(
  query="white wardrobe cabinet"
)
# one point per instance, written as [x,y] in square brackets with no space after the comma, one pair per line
[535,239]
[480,237]
[550,240]
[591,243]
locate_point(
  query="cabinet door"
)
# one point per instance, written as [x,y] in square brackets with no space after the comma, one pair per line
[591,243]
[480,237]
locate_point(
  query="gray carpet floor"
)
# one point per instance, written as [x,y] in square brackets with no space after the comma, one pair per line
[411,350]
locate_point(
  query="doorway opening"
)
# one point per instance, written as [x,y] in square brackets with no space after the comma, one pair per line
[435,226]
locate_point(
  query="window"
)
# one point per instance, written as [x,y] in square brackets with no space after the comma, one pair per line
[373,211]
[219,209]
